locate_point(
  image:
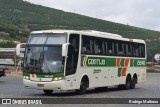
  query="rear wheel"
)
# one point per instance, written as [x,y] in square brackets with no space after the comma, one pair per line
[48,92]
[133,82]
[128,83]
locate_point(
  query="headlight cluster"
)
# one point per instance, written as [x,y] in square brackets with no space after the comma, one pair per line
[58,78]
[26,77]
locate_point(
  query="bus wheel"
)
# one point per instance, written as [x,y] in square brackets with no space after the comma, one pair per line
[133,82]
[128,83]
[83,86]
[48,92]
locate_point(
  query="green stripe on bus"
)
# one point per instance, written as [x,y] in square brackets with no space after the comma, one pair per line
[61,74]
[122,62]
[111,62]
[50,76]
[91,61]
[25,74]
[131,62]
[119,71]
[139,62]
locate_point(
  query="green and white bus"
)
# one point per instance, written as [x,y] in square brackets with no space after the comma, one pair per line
[81,60]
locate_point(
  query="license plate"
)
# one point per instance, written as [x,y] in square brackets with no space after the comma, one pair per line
[40,85]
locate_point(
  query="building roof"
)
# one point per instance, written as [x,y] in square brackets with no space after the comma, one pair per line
[9,52]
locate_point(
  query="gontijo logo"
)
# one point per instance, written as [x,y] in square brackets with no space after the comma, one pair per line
[84,61]
[93,61]
[96,62]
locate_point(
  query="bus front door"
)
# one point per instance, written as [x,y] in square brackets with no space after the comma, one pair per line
[73,53]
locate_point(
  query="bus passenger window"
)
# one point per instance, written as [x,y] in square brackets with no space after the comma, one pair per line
[103,48]
[120,49]
[110,52]
[83,50]
[128,50]
[87,45]
[135,50]
[88,50]
[141,51]
[100,47]
[110,48]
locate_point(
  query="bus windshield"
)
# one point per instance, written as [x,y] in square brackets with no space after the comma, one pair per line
[53,60]
[45,52]
[49,58]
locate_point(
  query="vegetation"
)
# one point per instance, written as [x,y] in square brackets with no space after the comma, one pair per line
[7,44]
[18,18]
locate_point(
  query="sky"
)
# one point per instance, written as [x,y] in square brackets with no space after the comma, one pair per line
[140,13]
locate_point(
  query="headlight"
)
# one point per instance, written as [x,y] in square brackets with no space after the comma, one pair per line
[57,78]
[26,77]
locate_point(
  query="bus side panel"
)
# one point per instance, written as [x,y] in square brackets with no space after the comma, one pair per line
[71,82]
[142,74]
[139,71]
[101,76]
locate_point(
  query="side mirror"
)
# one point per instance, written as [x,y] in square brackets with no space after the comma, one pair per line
[18,48]
[64,49]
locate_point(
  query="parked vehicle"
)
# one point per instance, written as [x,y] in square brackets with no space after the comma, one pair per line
[2,71]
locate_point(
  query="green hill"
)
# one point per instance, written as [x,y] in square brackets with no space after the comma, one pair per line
[18,18]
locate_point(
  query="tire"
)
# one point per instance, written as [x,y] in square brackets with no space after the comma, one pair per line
[48,92]
[128,83]
[133,82]
[83,87]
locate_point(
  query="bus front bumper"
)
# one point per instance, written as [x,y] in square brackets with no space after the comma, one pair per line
[52,85]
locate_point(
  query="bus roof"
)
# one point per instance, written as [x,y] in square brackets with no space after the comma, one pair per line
[91,33]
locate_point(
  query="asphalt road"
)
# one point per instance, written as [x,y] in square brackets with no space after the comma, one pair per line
[11,86]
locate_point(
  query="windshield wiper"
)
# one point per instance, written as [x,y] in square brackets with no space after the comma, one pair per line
[43,63]
[41,58]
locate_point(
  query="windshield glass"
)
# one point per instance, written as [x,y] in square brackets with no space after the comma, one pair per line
[48,58]
[45,52]
[52,62]
[34,56]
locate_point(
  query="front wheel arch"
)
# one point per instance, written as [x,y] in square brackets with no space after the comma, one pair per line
[84,84]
